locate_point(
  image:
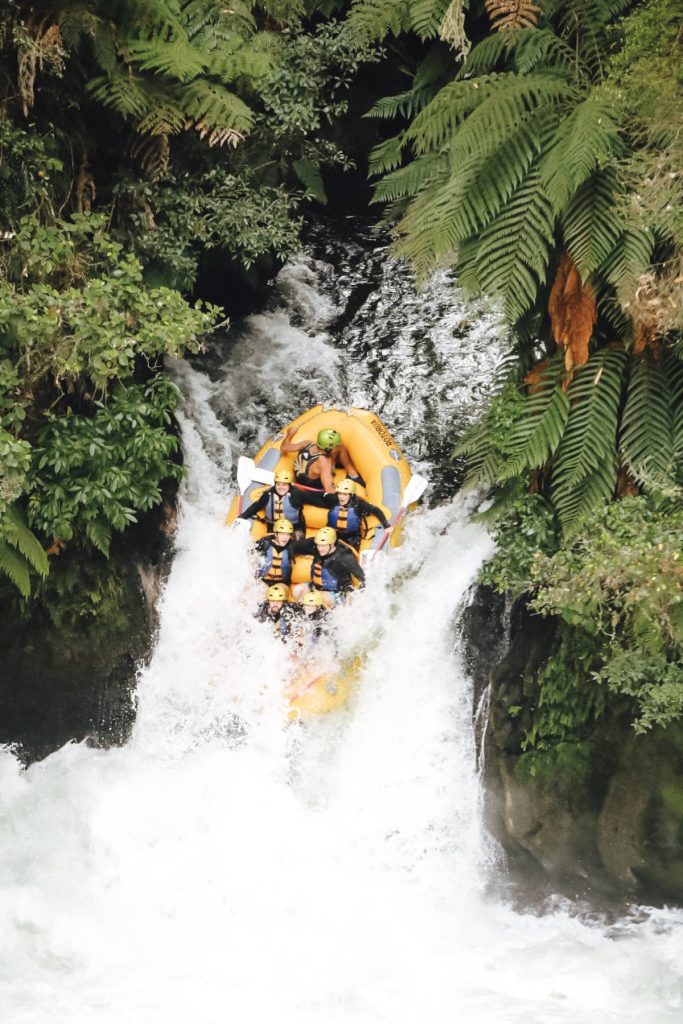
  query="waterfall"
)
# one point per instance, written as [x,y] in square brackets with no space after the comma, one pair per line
[225,865]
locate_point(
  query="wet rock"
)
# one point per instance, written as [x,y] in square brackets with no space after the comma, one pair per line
[606,813]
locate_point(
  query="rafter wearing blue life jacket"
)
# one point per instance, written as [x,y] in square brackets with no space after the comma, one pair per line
[281,501]
[348,513]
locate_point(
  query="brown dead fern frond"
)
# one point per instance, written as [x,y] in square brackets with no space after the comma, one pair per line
[573,312]
[510,15]
[153,152]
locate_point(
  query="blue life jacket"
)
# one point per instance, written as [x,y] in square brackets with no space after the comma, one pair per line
[322,578]
[345,520]
[281,508]
[277,565]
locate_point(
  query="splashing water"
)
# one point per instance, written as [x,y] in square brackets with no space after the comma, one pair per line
[225,866]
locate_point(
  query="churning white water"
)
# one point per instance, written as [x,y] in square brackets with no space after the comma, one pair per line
[223,866]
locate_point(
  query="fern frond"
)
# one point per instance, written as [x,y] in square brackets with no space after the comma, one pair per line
[512,15]
[372,20]
[647,429]
[14,567]
[308,173]
[674,371]
[490,108]
[585,141]
[17,533]
[630,257]
[537,433]
[99,534]
[176,58]
[214,106]
[585,468]
[461,206]
[513,252]
[411,179]
[592,224]
[426,16]
[125,92]
[387,155]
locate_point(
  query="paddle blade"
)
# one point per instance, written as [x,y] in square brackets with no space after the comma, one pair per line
[249,473]
[245,470]
[415,488]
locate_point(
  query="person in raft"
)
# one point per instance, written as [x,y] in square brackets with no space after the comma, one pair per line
[311,617]
[333,569]
[315,460]
[277,610]
[281,501]
[277,552]
[347,512]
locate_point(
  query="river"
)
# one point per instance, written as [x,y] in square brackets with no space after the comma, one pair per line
[225,866]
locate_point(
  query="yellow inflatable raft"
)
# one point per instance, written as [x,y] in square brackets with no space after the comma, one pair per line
[387,474]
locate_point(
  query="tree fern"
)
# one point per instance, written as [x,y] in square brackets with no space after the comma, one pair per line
[20,551]
[409,180]
[426,16]
[585,465]
[387,155]
[647,428]
[538,431]
[586,140]
[371,20]
[592,225]
[513,252]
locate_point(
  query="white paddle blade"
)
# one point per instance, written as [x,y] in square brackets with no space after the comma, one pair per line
[245,470]
[249,473]
[415,488]
[263,476]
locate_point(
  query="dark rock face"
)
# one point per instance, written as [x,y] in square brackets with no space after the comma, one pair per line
[69,679]
[610,816]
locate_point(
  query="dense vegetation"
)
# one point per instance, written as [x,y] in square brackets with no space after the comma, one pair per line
[135,137]
[541,158]
[535,148]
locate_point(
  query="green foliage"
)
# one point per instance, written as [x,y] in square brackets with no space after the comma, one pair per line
[171,222]
[621,581]
[20,550]
[74,307]
[525,531]
[91,473]
[567,700]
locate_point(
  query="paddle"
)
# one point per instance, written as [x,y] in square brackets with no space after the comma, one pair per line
[415,488]
[248,472]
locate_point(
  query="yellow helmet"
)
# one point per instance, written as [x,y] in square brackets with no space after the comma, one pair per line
[314,598]
[283,526]
[284,476]
[278,592]
[347,486]
[326,535]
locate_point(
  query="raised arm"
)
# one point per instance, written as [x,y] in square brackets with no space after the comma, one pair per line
[345,459]
[292,446]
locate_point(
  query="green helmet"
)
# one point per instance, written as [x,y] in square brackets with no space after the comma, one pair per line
[328,439]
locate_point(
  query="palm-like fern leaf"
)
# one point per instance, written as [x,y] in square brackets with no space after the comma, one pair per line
[513,252]
[592,224]
[585,467]
[387,155]
[647,428]
[537,433]
[371,20]
[15,568]
[585,141]
[426,16]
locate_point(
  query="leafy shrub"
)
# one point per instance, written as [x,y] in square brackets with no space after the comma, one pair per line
[91,474]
